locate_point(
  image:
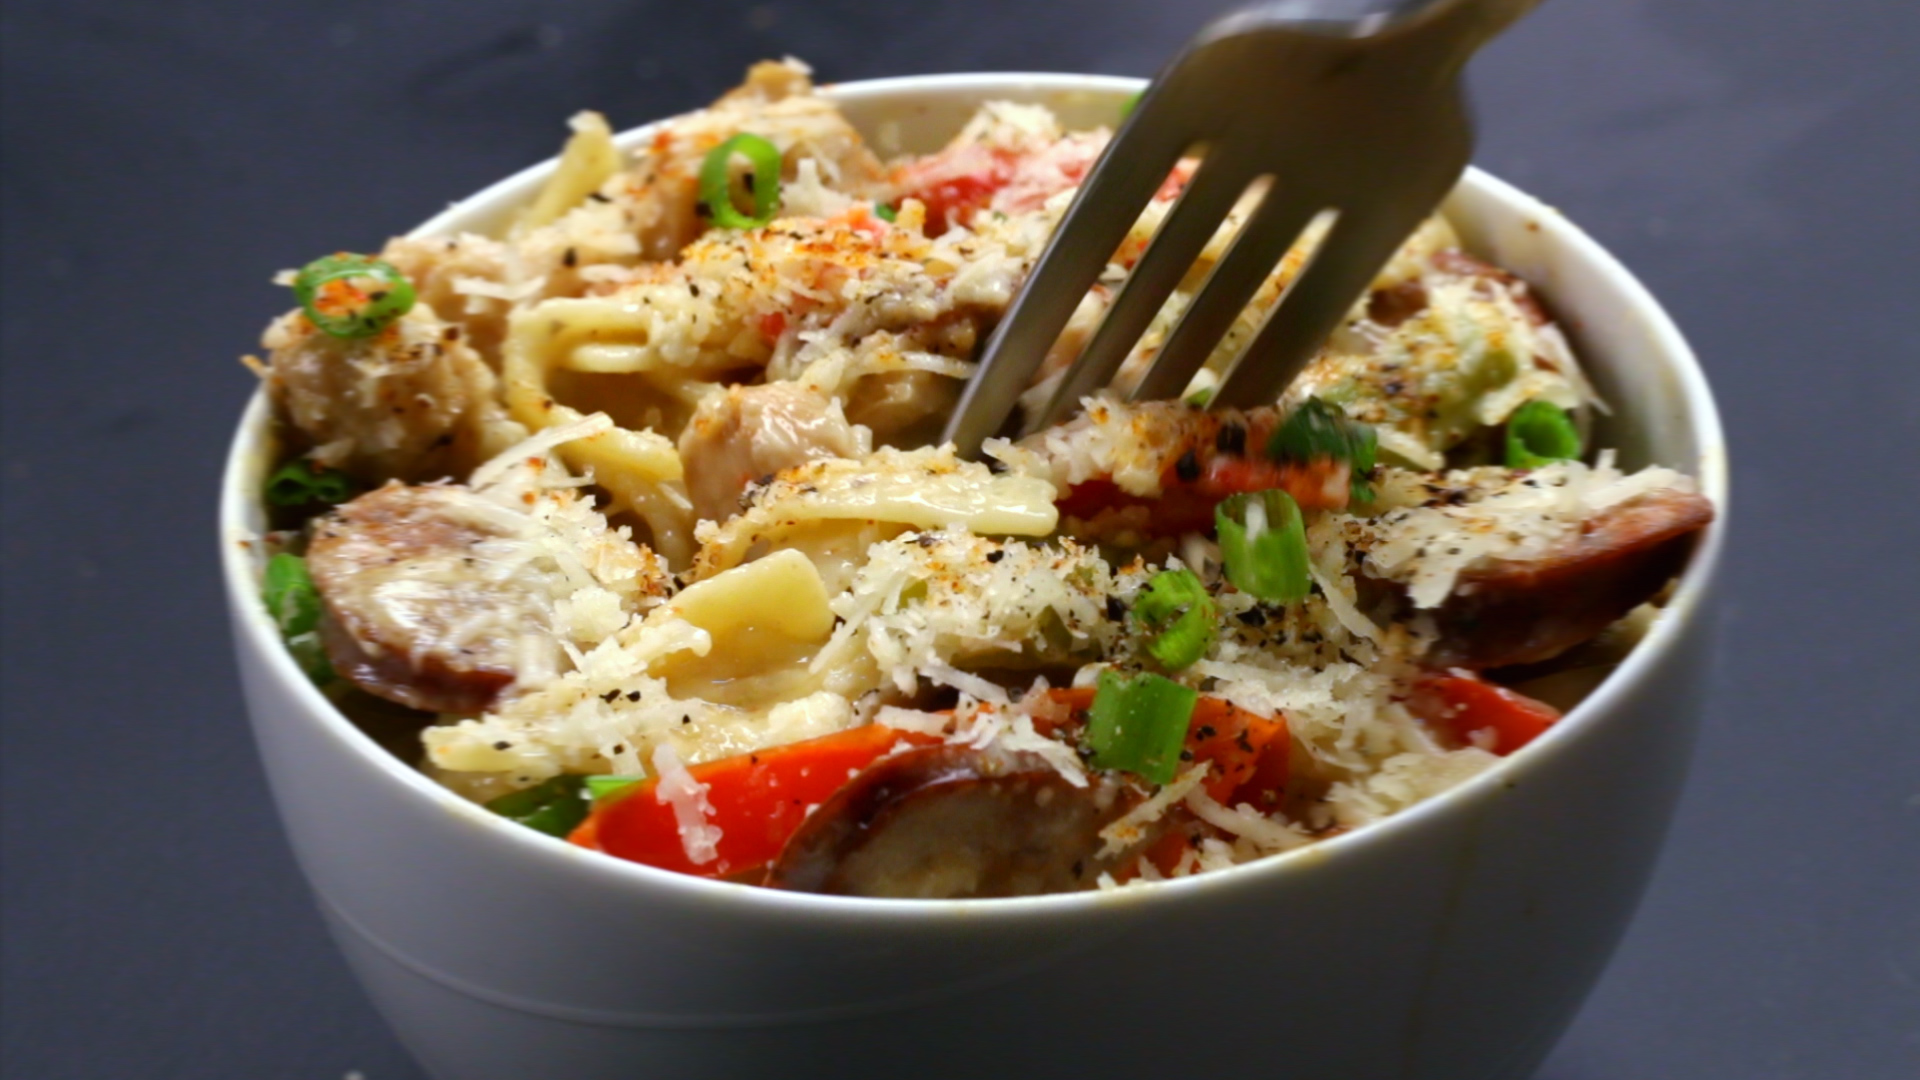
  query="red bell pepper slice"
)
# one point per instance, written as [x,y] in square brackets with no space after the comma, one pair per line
[758,800]
[1465,705]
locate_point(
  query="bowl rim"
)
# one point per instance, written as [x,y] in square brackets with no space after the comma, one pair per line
[251,621]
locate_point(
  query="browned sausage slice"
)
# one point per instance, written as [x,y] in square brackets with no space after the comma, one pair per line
[1457,262]
[1521,611]
[422,608]
[944,822]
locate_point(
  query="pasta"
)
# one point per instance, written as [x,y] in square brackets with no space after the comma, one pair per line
[650,503]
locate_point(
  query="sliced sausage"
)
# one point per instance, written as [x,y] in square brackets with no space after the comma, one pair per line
[945,822]
[1520,611]
[753,431]
[426,604]
[1396,304]
[1458,262]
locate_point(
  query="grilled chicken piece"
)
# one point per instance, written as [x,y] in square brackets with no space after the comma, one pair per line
[903,408]
[754,431]
[946,822]
[412,402]
[437,265]
[1520,611]
[418,608]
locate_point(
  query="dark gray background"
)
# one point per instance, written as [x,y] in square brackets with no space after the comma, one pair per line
[1757,163]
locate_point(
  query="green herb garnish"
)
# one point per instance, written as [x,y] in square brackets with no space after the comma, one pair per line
[294,604]
[601,787]
[1139,724]
[352,296]
[1539,434]
[1263,542]
[301,483]
[1181,618]
[555,806]
[716,181]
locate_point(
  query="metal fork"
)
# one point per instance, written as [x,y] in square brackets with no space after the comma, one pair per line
[1361,116]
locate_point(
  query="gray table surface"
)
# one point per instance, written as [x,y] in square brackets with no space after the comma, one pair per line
[1756,163]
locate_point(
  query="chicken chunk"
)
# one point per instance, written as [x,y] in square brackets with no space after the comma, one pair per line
[455,276]
[659,193]
[946,822]
[903,408]
[421,606]
[749,432]
[412,402]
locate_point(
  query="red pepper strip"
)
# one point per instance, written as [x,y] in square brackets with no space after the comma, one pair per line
[1248,751]
[1320,484]
[1249,754]
[1465,705]
[1164,854]
[758,801]
[972,177]
[1187,506]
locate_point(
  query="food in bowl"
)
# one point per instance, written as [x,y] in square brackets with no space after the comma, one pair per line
[633,510]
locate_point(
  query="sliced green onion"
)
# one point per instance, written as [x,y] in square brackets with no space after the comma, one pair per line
[1538,434]
[601,787]
[291,598]
[716,181]
[299,483]
[1364,445]
[1132,104]
[294,604]
[1174,607]
[1319,430]
[1200,398]
[1140,724]
[885,212]
[1263,541]
[1366,451]
[352,296]
[555,807]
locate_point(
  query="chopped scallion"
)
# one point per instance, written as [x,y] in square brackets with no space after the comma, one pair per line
[300,483]
[352,296]
[1263,542]
[1174,607]
[294,604]
[555,807]
[600,787]
[1539,434]
[1139,724]
[1366,451]
[1317,430]
[885,212]
[716,181]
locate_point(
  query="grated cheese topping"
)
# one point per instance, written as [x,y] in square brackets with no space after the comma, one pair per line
[547,376]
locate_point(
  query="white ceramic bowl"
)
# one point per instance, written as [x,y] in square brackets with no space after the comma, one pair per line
[1455,940]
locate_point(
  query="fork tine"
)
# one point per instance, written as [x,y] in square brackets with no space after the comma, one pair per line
[1108,204]
[1276,224]
[1346,262]
[1182,236]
